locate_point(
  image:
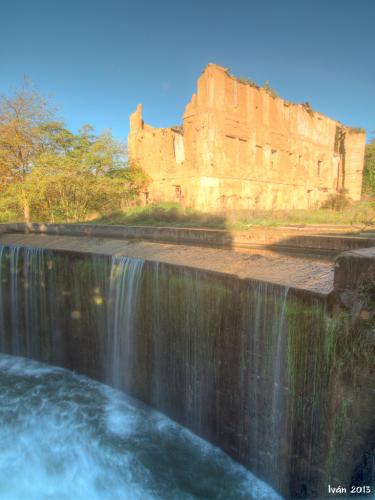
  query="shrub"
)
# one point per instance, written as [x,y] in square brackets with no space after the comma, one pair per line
[338,201]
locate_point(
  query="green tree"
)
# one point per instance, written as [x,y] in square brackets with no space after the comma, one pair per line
[24,117]
[52,174]
[369,171]
[70,187]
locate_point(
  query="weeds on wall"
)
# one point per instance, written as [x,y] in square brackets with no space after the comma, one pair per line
[270,91]
[247,81]
[356,130]
[307,107]
[266,86]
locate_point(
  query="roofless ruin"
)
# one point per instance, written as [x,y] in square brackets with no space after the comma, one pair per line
[242,147]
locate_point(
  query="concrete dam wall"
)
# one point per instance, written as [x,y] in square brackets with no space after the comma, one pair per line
[278,374]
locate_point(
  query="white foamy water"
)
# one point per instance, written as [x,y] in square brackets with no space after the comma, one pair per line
[64,436]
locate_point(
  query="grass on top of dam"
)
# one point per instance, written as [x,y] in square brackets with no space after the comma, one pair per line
[357,216]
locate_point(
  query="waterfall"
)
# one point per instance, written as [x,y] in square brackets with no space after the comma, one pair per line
[262,378]
[212,352]
[123,312]
[14,294]
[47,300]
[278,417]
[24,311]
[2,298]
[204,352]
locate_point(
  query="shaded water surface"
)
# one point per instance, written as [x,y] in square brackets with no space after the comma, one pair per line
[64,436]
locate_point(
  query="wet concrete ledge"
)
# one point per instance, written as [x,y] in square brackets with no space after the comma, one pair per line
[302,275]
[321,239]
[353,268]
[354,282]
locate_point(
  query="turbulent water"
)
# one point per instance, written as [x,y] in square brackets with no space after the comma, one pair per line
[64,436]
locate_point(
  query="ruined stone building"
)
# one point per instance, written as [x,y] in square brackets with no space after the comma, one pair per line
[242,147]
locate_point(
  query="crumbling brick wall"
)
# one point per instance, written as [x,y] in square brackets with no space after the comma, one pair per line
[243,147]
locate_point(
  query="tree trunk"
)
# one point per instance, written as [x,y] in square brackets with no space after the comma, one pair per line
[26,208]
[26,212]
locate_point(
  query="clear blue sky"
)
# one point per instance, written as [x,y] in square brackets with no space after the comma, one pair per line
[98,59]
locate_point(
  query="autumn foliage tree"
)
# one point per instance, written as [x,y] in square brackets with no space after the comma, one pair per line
[52,174]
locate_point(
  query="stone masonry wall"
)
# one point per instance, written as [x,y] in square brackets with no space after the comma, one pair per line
[242,147]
